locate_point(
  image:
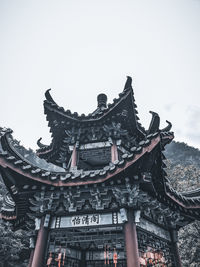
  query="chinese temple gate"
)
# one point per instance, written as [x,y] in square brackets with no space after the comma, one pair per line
[98,195]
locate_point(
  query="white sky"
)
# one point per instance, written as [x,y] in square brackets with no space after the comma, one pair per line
[82,48]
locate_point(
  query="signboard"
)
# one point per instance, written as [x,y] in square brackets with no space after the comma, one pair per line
[86,220]
[83,220]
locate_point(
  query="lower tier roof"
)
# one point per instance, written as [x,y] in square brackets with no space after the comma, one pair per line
[24,172]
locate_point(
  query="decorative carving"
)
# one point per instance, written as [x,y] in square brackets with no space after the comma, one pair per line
[113,204]
[133,193]
[72,135]
[123,214]
[115,131]
[95,134]
[120,196]
[87,205]
[69,201]
[99,198]
[42,203]
[160,213]
[128,195]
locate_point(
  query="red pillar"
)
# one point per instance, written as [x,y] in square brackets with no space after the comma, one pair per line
[114,153]
[132,253]
[40,247]
[74,157]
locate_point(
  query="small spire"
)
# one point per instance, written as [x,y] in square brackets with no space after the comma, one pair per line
[102,101]
[128,83]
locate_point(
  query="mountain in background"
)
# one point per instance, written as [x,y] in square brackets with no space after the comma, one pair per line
[179,153]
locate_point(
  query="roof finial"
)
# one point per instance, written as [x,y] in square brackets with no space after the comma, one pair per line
[49,97]
[40,144]
[155,123]
[128,84]
[168,127]
[102,101]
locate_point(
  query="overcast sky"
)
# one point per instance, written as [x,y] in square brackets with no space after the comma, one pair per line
[82,48]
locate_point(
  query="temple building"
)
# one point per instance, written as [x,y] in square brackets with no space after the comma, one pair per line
[99,194]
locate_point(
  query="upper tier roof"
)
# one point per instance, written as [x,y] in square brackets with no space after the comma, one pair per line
[68,127]
[123,107]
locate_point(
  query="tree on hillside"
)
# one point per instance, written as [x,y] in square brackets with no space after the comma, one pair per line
[183,168]
[12,244]
[189,244]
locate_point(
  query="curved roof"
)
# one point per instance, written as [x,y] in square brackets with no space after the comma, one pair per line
[39,170]
[122,110]
[22,175]
[23,171]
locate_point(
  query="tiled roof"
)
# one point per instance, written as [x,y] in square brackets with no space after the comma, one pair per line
[36,170]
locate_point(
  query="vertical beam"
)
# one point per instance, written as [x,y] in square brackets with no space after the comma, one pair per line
[174,237]
[114,153]
[132,253]
[74,157]
[40,247]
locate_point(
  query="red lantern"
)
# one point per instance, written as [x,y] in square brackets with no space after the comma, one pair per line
[156,256]
[115,257]
[105,256]
[49,260]
[142,261]
[59,259]
[150,255]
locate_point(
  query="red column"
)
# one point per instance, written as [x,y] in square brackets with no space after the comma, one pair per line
[74,157]
[40,247]
[114,153]
[132,253]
